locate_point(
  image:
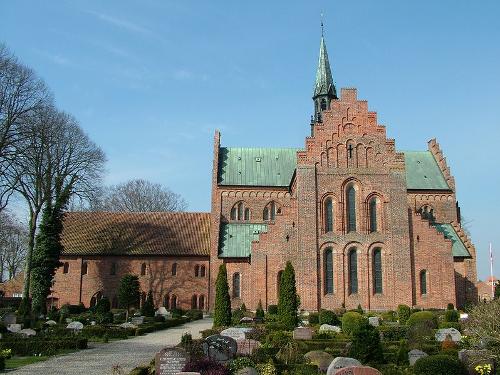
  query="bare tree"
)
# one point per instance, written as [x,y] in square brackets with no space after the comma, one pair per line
[483,326]
[13,245]
[141,196]
[57,157]
[21,91]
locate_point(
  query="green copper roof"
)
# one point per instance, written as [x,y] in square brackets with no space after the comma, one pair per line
[423,172]
[324,81]
[256,166]
[458,247]
[236,239]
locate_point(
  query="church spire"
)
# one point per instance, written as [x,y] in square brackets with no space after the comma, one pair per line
[324,88]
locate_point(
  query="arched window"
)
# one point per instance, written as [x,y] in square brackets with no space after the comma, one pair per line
[278,283]
[114,302]
[66,267]
[353,271]
[323,104]
[377,271]
[174,269]
[265,214]
[194,302]
[328,215]
[372,206]
[423,282]
[201,302]
[351,209]
[247,214]
[236,285]
[112,271]
[233,213]
[143,269]
[166,301]
[328,259]
[240,211]
[173,302]
[85,268]
[270,211]
[196,271]
[427,213]
[202,271]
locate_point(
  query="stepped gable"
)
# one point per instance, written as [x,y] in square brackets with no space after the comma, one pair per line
[441,161]
[136,233]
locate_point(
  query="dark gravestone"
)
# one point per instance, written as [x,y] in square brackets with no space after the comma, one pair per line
[220,348]
[170,361]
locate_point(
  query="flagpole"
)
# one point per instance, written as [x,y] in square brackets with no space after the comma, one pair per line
[491,274]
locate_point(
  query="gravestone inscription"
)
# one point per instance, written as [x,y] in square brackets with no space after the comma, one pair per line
[170,361]
[220,348]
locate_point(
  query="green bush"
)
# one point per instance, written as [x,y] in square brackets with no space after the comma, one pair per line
[455,325]
[451,316]
[103,306]
[259,313]
[404,312]
[240,363]
[393,333]
[22,346]
[194,314]
[222,310]
[402,355]
[313,318]
[389,316]
[450,306]
[272,309]
[366,346]
[148,307]
[439,365]
[99,332]
[352,321]
[328,317]
[423,316]
[209,332]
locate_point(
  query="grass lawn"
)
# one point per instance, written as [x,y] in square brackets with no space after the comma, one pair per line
[16,362]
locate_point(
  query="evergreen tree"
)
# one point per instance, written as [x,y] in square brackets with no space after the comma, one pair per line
[148,308]
[288,302]
[129,292]
[48,248]
[222,312]
[497,290]
[366,346]
[259,313]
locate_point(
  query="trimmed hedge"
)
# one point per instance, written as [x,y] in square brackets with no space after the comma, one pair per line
[451,316]
[328,317]
[44,346]
[423,316]
[393,333]
[352,321]
[404,313]
[439,365]
[110,332]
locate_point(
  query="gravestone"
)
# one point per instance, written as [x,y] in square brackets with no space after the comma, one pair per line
[472,358]
[341,362]
[28,332]
[50,323]
[246,320]
[137,320]
[302,333]
[162,311]
[441,334]
[329,328]
[170,361]
[77,326]
[374,321]
[9,318]
[464,316]
[235,333]
[247,371]
[220,348]
[14,328]
[68,320]
[358,370]
[319,358]
[414,355]
[247,346]
[128,325]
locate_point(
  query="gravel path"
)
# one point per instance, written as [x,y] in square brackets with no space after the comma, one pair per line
[128,354]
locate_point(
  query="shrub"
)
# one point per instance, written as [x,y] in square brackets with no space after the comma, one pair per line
[366,345]
[289,353]
[439,365]
[278,339]
[103,306]
[451,316]
[404,312]
[328,317]
[128,291]
[448,344]
[288,299]
[393,333]
[267,369]
[206,366]
[236,316]
[159,318]
[456,325]
[240,363]
[420,333]
[177,313]
[423,316]
[222,313]
[450,306]
[209,332]
[360,309]
[402,356]
[22,346]
[194,314]
[148,307]
[104,318]
[313,318]
[259,313]
[272,309]
[352,321]
[389,316]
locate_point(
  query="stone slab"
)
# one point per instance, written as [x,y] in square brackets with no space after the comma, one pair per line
[77,326]
[452,333]
[302,333]
[414,355]
[358,370]
[14,328]
[235,333]
[329,328]
[9,318]
[247,346]
[319,358]
[220,348]
[341,362]
[374,321]
[170,361]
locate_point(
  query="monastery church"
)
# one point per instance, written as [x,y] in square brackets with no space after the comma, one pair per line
[361,221]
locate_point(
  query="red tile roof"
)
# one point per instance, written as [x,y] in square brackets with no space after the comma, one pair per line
[136,233]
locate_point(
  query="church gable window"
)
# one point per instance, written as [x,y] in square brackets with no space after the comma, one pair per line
[373,212]
[270,211]
[328,215]
[239,212]
[423,282]
[427,213]
[328,259]
[351,208]
[377,271]
[353,271]
[236,285]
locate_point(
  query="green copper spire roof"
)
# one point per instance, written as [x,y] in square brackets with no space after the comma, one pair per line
[324,81]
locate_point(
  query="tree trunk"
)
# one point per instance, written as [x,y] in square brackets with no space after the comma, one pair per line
[31,245]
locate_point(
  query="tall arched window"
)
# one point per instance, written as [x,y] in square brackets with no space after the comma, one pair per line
[201,302]
[270,211]
[166,301]
[240,211]
[265,214]
[233,213]
[372,206]
[174,269]
[194,302]
[351,209]
[247,214]
[112,270]
[85,268]
[143,269]
[353,271]
[328,215]
[196,270]
[423,282]
[66,267]
[427,213]
[377,271]
[328,270]
[202,271]
[236,285]
[173,302]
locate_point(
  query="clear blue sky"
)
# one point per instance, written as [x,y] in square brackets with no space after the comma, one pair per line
[151,80]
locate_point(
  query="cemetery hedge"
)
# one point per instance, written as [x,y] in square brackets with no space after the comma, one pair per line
[439,365]
[28,346]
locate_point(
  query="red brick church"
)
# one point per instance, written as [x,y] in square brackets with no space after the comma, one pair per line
[361,222]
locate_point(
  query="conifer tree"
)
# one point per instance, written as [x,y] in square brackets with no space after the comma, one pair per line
[288,301]
[128,292]
[222,312]
[148,308]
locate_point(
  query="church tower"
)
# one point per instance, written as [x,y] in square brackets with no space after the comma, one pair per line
[324,88]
